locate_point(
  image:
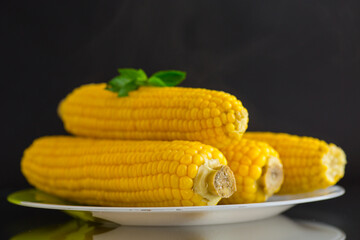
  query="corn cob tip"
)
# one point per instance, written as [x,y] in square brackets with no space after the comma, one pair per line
[273,176]
[334,160]
[222,182]
[309,163]
[214,182]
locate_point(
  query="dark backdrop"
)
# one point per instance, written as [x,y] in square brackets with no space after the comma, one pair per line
[294,64]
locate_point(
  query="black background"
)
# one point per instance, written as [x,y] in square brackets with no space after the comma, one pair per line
[294,64]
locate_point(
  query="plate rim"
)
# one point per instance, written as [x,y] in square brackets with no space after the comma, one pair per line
[334,191]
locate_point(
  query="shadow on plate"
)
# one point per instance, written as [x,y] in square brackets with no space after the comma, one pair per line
[278,227]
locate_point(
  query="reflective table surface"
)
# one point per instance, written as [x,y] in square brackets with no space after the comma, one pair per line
[331,219]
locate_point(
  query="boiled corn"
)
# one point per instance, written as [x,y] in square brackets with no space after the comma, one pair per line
[128,173]
[257,169]
[153,113]
[309,163]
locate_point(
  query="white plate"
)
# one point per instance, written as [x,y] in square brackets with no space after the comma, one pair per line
[175,216]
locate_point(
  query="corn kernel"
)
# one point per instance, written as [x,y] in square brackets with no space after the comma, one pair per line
[230,127]
[187,203]
[174,180]
[234,166]
[217,122]
[217,154]
[243,170]
[231,117]
[173,166]
[181,170]
[167,180]
[154,168]
[239,180]
[162,194]
[260,160]
[153,180]
[226,105]
[168,194]
[206,112]
[209,123]
[248,181]
[198,160]
[192,170]
[249,197]
[160,180]
[212,105]
[186,159]
[223,118]
[176,194]
[250,188]
[193,114]
[235,135]
[254,152]
[205,154]
[198,200]
[246,161]
[255,172]
[186,194]
[215,112]
[191,151]
[186,183]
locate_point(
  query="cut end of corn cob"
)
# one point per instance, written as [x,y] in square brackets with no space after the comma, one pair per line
[155,113]
[309,163]
[214,182]
[273,176]
[257,169]
[224,182]
[335,161]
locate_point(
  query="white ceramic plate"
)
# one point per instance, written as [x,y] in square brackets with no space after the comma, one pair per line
[174,216]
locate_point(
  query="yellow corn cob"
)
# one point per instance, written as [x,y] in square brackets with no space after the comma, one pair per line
[309,163]
[257,169]
[153,113]
[128,173]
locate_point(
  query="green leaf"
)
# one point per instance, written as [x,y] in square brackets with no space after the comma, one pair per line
[157,82]
[124,91]
[131,79]
[133,74]
[117,83]
[141,75]
[170,77]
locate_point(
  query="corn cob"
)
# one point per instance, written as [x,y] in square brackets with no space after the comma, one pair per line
[257,169]
[128,173]
[153,113]
[309,163]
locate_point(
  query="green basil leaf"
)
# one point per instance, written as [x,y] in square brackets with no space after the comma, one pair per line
[117,83]
[133,74]
[157,82]
[124,91]
[120,81]
[171,77]
[142,77]
[128,72]
[131,79]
